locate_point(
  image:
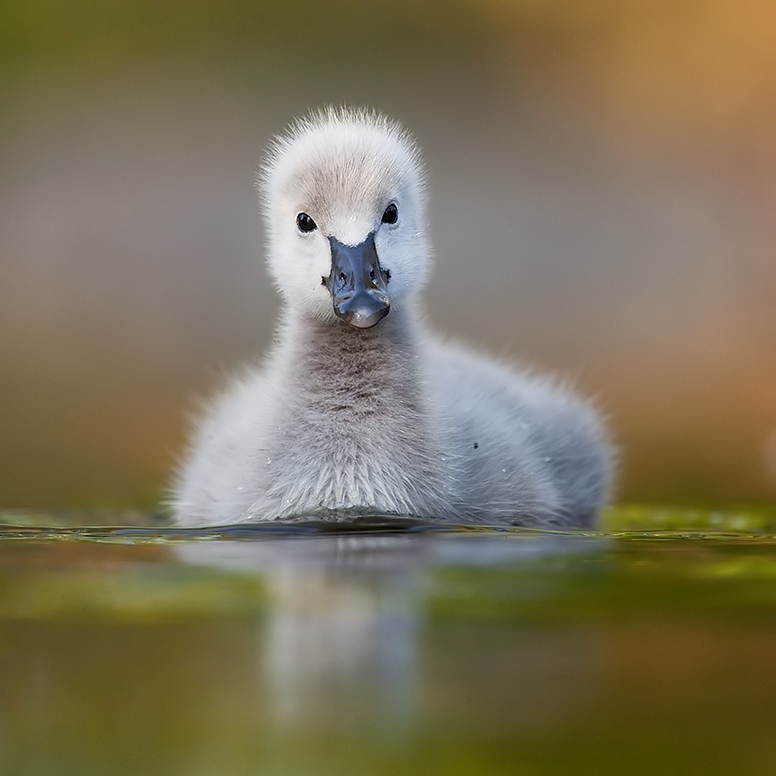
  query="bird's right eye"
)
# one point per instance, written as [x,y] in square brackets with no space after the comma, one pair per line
[305,223]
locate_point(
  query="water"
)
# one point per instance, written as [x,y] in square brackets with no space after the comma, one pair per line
[385,648]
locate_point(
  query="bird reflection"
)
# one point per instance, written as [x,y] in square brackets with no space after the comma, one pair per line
[339,645]
[340,636]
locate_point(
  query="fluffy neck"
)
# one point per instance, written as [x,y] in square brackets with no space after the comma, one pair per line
[353,419]
[364,373]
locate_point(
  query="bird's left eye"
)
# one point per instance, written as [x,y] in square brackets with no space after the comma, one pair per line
[391,214]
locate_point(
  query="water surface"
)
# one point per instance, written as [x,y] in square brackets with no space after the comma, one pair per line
[385,648]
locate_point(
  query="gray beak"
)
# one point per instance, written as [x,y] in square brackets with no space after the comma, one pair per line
[357,283]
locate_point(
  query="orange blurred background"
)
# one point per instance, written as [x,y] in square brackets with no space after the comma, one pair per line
[603,197]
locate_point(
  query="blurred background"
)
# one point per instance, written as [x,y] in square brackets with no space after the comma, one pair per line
[603,187]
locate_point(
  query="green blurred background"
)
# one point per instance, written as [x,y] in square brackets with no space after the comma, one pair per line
[603,188]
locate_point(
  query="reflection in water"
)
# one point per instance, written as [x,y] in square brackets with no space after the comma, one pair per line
[327,635]
[345,615]
[341,630]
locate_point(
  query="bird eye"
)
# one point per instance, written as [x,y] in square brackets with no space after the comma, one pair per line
[391,215]
[305,223]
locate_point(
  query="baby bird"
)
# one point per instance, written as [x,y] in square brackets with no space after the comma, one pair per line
[358,409]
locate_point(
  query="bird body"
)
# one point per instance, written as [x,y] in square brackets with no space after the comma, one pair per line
[358,409]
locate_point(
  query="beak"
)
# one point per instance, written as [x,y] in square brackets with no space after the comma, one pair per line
[358,284]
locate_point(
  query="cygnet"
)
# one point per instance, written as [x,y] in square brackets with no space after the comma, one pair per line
[358,409]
